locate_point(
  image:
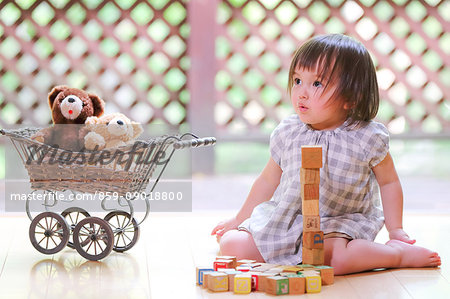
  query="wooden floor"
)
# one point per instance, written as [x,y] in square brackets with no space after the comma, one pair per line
[162,264]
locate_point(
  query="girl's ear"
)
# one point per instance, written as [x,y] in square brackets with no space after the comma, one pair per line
[348,105]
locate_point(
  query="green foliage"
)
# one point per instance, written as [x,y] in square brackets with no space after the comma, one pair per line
[245,157]
[431,157]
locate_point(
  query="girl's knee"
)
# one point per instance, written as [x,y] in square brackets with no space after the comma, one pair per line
[336,255]
[239,244]
[340,263]
[228,242]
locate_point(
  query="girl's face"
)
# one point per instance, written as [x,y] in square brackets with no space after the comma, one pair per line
[313,104]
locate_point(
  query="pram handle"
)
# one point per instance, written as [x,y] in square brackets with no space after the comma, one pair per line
[197,142]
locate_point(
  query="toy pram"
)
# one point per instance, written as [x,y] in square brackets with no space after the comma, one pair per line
[126,174]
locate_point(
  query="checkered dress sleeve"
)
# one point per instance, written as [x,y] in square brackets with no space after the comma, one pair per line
[378,142]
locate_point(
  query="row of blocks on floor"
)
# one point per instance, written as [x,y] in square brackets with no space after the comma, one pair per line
[245,276]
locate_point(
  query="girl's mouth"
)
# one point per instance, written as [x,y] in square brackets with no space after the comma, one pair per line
[302,108]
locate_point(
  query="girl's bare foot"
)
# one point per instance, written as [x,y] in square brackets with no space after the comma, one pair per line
[413,256]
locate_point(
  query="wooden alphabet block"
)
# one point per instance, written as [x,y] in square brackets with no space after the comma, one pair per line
[309,175]
[226,270]
[313,256]
[311,272]
[240,262]
[200,271]
[307,256]
[255,280]
[243,268]
[251,266]
[326,274]
[310,207]
[313,284]
[261,267]
[242,284]
[311,223]
[262,281]
[275,270]
[226,257]
[291,269]
[206,278]
[310,191]
[218,282]
[277,285]
[231,274]
[297,284]
[306,267]
[311,156]
[313,240]
[223,264]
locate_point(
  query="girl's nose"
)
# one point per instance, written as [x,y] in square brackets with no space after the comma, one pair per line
[303,93]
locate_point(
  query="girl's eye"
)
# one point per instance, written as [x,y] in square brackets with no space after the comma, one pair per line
[297,81]
[317,84]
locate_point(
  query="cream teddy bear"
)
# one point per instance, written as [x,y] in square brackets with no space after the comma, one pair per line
[110,131]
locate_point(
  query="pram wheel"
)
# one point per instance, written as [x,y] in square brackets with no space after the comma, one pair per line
[93,238]
[72,216]
[49,233]
[126,232]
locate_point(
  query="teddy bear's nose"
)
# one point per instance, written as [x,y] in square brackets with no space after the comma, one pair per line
[71,100]
[119,122]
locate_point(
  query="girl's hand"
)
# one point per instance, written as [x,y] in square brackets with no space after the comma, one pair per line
[225,226]
[401,235]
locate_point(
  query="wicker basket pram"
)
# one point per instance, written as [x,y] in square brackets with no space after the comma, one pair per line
[122,171]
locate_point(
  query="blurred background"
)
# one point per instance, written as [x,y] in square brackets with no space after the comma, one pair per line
[219,68]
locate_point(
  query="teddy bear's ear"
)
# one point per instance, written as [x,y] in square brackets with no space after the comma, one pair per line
[99,105]
[137,129]
[54,93]
[92,120]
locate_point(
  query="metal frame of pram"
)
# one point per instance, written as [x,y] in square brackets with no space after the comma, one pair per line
[94,238]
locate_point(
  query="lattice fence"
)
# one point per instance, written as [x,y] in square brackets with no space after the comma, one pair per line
[135,54]
[409,41]
[131,53]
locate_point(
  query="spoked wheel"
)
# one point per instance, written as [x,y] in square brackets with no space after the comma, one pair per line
[126,231]
[93,238]
[49,233]
[74,215]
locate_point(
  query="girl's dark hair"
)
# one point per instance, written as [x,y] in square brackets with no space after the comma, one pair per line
[346,62]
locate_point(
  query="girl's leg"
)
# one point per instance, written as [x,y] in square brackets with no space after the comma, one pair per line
[240,244]
[362,255]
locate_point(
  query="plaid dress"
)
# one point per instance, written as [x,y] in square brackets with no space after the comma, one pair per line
[349,194]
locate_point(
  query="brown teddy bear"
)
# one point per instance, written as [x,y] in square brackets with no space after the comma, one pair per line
[70,109]
[110,131]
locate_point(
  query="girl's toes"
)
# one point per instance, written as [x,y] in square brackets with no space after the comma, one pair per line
[435,262]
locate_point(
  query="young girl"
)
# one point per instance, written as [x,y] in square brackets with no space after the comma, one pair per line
[334,92]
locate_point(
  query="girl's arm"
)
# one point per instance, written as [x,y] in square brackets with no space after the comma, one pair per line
[262,190]
[392,199]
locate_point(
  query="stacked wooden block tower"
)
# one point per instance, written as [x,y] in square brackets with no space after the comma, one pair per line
[243,277]
[312,251]
[246,276]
